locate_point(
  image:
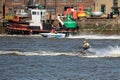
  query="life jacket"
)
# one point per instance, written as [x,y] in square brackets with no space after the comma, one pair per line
[53,31]
[86,46]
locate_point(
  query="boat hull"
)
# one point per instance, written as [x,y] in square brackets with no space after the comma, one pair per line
[53,35]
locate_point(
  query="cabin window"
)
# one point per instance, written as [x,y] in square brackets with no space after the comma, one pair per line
[33,13]
[37,13]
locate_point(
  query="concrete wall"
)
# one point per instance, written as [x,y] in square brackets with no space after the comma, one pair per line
[99,26]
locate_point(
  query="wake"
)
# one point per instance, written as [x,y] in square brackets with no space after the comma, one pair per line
[106,52]
[93,53]
[112,52]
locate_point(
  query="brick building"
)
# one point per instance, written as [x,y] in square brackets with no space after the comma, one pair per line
[11,6]
[58,6]
[54,7]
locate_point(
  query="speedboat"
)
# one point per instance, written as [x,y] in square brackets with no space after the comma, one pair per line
[53,35]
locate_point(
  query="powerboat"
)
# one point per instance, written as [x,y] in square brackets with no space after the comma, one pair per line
[53,35]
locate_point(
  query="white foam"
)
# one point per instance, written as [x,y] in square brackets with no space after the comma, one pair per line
[96,36]
[114,52]
[110,51]
[40,53]
[14,35]
[107,52]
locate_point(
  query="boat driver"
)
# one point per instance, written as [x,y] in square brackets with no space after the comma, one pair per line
[53,31]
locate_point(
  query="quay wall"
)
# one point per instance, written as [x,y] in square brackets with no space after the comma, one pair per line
[99,26]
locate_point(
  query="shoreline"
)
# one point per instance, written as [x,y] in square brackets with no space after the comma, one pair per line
[93,26]
[99,32]
[92,31]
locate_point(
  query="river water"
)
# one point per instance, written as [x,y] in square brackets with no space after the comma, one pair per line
[36,58]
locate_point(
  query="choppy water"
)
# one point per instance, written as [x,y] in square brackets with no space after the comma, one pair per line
[36,58]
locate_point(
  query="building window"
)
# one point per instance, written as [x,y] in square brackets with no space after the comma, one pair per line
[52,10]
[79,0]
[15,9]
[115,10]
[115,7]
[16,0]
[64,0]
[103,7]
[115,2]
[49,0]
[10,11]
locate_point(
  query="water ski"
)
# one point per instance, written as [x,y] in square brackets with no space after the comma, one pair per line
[83,52]
[80,53]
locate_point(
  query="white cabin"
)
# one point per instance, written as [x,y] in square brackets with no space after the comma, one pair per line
[37,16]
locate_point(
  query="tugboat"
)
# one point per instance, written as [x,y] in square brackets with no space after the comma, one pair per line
[33,22]
[30,22]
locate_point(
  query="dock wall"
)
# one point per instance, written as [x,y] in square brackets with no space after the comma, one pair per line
[99,26]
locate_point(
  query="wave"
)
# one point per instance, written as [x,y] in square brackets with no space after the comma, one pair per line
[95,36]
[14,35]
[110,51]
[40,53]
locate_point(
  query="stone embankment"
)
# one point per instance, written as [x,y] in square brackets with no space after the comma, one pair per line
[99,26]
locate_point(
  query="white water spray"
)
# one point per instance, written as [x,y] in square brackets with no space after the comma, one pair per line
[107,52]
[96,36]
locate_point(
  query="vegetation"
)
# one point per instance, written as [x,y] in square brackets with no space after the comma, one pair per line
[2,30]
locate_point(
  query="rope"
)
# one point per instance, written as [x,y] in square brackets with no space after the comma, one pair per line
[104,27]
